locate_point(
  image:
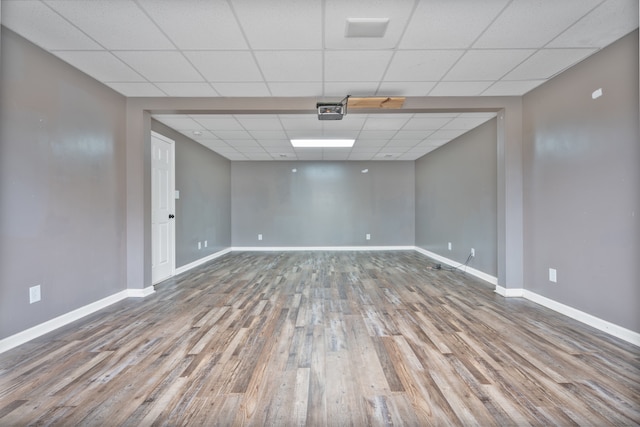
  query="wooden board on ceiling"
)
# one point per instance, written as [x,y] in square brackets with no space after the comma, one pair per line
[376,102]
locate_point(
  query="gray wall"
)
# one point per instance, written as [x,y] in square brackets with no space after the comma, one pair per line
[322,204]
[456,199]
[203,211]
[582,186]
[61,187]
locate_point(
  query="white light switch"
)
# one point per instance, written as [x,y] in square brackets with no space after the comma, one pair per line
[368,236]
[449,245]
[259,236]
[177,194]
[553,276]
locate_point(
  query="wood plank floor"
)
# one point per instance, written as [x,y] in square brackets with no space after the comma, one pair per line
[322,338]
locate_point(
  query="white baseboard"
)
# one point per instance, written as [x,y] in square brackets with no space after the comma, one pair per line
[60,321]
[600,324]
[319,248]
[140,293]
[50,325]
[472,271]
[509,292]
[201,261]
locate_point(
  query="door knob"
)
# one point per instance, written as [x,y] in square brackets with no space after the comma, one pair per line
[171,216]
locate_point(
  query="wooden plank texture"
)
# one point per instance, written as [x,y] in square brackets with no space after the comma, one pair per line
[322,338]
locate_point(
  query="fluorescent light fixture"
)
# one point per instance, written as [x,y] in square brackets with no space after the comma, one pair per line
[323,143]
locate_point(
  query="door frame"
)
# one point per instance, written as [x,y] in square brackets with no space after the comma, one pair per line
[172,207]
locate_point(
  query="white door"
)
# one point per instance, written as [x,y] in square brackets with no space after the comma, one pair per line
[162,208]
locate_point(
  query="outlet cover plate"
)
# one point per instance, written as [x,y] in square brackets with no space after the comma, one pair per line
[34,294]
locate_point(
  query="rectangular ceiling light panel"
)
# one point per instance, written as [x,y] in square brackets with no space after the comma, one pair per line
[323,143]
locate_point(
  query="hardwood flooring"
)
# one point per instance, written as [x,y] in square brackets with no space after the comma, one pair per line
[322,338]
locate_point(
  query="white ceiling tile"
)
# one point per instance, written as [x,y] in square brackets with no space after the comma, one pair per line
[449,24]
[258,156]
[225,66]
[426,123]
[214,145]
[602,26]
[197,24]
[361,156]
[115,24]
[337,12]
[348,122]
[275,144]
[377,134]
[187,89]
[405,88]
[222,122]
[342,89]
[260,124]
[511,88]
[204,136]
[250,149]
[368,144]
[292,24]
[269,135]
[393,124]
[304,134]
[533,24]
[35,21]
[302,122]
[355,66]
[421,65]
[408,157]
[477,65]
[286,66]
[435,142]
[161,66]
[340,134]
[412,134]
[388,154]
[241,89]
[100,65]
[236,157]
[296,88]
[231,134]
[459,88]
[445,134]
[465,123]
[408,143]
[546,63]
[136,89]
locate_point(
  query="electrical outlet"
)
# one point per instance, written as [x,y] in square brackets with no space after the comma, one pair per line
[553,275]
[199,245]
[368,236]
[205,243]
[473,252]
[259,236]
[449,245]
[34,294]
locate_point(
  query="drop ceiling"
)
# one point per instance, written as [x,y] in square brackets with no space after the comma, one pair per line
[293,48]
